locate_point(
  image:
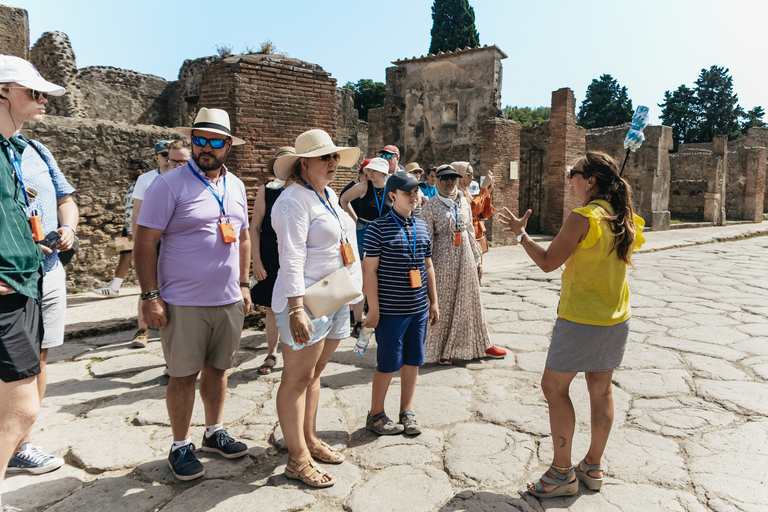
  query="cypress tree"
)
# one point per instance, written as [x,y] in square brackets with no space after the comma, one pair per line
[453,26]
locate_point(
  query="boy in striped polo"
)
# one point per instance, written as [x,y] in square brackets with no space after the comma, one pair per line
[399,281]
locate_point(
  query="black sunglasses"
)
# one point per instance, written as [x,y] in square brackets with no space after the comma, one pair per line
[574,171]
[36,95]
[164,154]
[448,178]
[215,143]
[327,158]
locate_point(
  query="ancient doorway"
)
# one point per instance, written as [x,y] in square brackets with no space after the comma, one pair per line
[532,182]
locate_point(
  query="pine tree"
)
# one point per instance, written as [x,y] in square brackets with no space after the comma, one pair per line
[680,112]
[717,105]
[453,26]
[606,104]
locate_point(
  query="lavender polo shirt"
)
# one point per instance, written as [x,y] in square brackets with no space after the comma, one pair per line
[195,267]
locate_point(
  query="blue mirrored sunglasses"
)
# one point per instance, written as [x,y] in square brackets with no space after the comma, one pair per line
[387,156]
[215,143]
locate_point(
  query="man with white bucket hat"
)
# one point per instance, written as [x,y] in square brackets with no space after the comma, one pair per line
[197,289]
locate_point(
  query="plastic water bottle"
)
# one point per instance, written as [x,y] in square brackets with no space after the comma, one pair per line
[319,329]
[362,342]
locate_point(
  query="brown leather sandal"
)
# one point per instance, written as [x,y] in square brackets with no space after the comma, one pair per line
[324,452]
[309,473]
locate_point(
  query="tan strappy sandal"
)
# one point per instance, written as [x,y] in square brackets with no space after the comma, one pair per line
[324,452]
[309,473]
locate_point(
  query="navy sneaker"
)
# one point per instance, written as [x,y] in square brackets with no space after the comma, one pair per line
[31,460]
[184,464]
[222,443]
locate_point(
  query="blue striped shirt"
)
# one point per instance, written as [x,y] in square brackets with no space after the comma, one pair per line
[385,240]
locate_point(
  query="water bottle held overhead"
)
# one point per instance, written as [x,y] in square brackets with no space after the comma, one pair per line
[635,137]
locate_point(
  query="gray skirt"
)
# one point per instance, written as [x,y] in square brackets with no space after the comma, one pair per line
[586,348]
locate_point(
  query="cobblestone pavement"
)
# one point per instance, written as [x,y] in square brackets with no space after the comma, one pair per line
[691,428]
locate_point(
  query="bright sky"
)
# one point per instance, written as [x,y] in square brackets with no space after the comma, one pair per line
[649,46]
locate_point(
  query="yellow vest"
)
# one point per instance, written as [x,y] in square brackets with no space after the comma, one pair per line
[594,283]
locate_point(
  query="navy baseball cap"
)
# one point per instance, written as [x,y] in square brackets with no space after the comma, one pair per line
[400,180]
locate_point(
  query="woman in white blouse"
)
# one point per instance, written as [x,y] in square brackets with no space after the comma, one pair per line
[311,228]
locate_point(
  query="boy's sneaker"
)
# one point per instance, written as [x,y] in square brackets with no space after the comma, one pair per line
[106,292]
[184,464]
[31,460]
[495,352]
[222,443]
[356,329]
[408,420]
[8,508]
[386,428]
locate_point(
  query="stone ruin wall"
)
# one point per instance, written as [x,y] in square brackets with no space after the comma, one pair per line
[93,155]
[434,106]
[500,146]
[14,31]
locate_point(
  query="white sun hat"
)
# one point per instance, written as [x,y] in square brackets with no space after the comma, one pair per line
[16,69]
[314,143]
[378,164]
[212,120]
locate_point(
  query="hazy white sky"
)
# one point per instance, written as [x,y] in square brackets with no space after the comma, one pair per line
[649,46]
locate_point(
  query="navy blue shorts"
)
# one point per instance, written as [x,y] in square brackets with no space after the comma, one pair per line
[400,340]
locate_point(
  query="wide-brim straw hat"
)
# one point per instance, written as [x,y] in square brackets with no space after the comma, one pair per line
[311,144]
[212,120]
[283,151]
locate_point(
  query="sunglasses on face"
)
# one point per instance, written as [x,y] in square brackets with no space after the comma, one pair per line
[327,158]
[416,172]
[574,171]
[387,156]
[215,143]
[164,154]
[448,178]
[36,95]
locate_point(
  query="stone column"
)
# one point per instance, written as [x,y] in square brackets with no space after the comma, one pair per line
[714,197]
[567,144]
[754,188]
[656,176]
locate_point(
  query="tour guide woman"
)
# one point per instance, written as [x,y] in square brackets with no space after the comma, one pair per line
[596,244]
[309,224]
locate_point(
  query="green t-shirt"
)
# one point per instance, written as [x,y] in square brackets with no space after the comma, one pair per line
[21,259]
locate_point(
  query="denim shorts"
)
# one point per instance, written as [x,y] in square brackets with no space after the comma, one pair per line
[400,340]
[339,323]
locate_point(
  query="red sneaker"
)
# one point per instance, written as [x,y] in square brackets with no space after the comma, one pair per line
[496,352]
[445,362]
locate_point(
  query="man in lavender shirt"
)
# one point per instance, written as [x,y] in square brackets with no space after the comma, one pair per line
[197,291]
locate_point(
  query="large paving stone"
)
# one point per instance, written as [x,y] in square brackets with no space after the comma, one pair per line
[216,467]
[119,494]
[385,451]
[756,346]
[532,327]
[68,351]
[38,491]
[521,342]
[710,334]
[738,396]
[52,415]
[532,361]
[726,465]
[81,392]
[641,356]
[487,456]
[126,406]
[712,368]
[470,501]
[695,347]
[679,417]
[86,439]
[754,329]
[347,477]
[223,496]
[654,383]
[126,364]
[235,408]
[256,390]
[444,376]
[640,457]
[644,498]
[66,372]
[401,488]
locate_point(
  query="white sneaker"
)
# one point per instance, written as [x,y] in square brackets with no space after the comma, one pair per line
[106,292]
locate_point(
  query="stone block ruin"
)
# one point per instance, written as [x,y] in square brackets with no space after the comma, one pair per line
[437,109]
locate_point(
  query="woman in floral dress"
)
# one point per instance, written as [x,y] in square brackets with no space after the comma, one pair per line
[461,332]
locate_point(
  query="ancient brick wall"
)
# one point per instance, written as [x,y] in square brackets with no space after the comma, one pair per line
[93,155]
[14,31]
[688,183]
[270,100]
[567,145]
[500,146]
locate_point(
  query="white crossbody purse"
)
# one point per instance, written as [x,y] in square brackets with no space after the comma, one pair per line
[330,293]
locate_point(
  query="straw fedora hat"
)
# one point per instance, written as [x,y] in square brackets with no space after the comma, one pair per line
[314,143]
[212,120]
[285,150]
[413,166]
